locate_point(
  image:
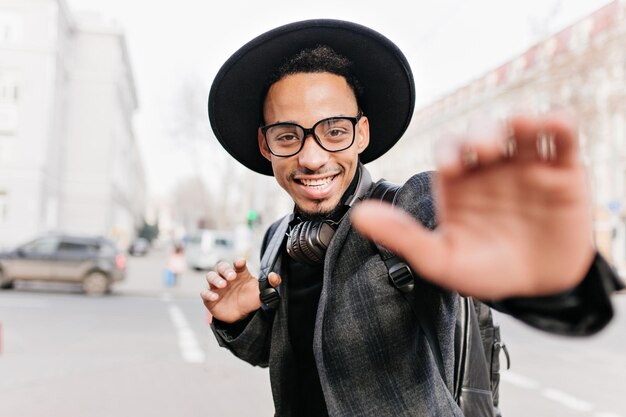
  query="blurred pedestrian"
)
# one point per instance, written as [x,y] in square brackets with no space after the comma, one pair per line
[176,265]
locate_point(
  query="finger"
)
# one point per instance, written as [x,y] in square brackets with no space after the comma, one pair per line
[397,231]
[215,280]
[448,155]
[563,129]
[485,142]
[226,270]
[240,265]
[274,279]
[551,138]
[525,130]
[486,137]
[209,296]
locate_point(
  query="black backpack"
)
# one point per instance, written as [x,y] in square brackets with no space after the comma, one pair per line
[476,339]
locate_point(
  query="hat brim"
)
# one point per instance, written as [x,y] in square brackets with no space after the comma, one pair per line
[382,69]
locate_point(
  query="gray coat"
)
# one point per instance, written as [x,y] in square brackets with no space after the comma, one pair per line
[371,356]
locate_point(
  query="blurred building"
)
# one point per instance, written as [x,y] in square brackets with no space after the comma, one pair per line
[581,68]
[68,155]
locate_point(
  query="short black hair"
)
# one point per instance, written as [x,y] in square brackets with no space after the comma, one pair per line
[321,58]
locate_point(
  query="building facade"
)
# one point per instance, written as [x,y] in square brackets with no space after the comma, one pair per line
[69,159]
[582,68]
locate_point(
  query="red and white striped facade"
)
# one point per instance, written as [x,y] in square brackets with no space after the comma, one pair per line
[582,68]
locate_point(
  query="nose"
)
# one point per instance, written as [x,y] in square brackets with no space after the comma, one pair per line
[312,156]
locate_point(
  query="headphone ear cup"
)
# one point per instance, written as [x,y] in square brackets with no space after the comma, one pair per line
[304,244]
[310,244]
[300,243]
[296,241]
[292,239]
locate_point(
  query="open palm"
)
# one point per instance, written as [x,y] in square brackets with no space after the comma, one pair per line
[233,292]
[514,217]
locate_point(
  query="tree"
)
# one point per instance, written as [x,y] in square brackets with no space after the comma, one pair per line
[193,207]
[149,231]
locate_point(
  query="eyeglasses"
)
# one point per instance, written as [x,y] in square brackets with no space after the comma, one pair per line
[333,134]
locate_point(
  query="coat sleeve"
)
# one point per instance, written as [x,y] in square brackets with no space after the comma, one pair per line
[582,311]
[248,339]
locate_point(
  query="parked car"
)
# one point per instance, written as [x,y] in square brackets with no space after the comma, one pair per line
[204,249]
[139,247]
[93,262]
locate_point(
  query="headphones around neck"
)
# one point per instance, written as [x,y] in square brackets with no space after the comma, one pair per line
[308,240]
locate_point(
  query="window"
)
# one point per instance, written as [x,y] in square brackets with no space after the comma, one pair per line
[224,243]
[74,247]
[43,246]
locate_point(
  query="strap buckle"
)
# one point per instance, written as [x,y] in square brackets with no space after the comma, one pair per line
[401,277]
[500,346]
[270,297]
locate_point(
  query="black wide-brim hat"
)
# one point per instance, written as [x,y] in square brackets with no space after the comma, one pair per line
[379,65]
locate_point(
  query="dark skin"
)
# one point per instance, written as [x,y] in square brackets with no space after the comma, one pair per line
[513,220]
[518,224]
[314,178]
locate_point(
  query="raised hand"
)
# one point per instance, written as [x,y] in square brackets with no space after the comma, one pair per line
[513,210]
[233,292]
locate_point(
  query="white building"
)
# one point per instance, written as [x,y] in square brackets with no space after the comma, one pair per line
[581,68]
[68,156]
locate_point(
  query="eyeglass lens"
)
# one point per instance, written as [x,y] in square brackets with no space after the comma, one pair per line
[334,134]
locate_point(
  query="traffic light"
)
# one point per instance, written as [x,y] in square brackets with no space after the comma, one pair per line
[252,218]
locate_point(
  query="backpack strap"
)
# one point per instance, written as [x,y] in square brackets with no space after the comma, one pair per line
[401,277]
[270,296]
[400,274]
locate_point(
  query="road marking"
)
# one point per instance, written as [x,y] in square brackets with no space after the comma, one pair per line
[187,341]
[567,400]
[553,394]
[519,380]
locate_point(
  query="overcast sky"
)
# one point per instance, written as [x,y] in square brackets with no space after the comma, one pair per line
[447,42]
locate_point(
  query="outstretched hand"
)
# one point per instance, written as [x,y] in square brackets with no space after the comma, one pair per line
[513,210]
[233,291]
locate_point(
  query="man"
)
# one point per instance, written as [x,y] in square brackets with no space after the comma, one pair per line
[308,103]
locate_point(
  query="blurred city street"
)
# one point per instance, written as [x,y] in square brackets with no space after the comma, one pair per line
[144,350]
[106,150]
[147,350]
[564,376]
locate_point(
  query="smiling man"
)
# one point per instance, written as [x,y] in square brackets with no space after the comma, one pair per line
[310,103]
[314,172]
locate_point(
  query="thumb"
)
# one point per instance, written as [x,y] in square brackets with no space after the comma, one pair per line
[400,233]
[274,279]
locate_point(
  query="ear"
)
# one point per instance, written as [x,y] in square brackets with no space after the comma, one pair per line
[263,146]
[363,134]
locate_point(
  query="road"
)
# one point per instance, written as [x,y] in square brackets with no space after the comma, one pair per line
[563,376]
[147,351]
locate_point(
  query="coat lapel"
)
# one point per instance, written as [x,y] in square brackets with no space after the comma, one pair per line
[334,249]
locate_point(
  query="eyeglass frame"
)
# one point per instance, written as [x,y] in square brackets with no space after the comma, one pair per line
[311,131]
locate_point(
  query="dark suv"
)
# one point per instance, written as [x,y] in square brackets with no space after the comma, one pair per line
[92,261]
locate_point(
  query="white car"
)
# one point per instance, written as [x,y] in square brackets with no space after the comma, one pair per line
[205,248]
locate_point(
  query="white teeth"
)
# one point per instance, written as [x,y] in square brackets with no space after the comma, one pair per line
[317,183]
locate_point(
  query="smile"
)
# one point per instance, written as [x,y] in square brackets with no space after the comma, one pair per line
[320,182]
